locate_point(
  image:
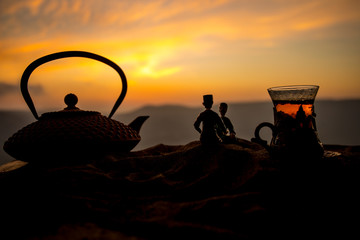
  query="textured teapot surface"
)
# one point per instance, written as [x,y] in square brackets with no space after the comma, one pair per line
[71,130]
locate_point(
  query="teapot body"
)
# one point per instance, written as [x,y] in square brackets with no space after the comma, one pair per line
[71,134]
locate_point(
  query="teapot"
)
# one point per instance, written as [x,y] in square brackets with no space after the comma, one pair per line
[294,132]
[72,133]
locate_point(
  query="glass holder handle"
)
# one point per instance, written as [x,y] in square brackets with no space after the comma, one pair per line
[257,138]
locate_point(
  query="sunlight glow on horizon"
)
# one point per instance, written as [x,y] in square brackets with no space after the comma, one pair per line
[173,52]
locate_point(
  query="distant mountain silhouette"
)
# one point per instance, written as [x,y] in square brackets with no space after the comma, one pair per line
[337,122]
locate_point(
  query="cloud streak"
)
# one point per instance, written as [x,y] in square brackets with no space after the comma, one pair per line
[235,19]
[8,89]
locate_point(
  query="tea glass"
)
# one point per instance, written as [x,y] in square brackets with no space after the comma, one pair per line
[294,132]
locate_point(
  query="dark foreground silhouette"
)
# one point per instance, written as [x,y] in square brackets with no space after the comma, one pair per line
[211,123]
[226,191]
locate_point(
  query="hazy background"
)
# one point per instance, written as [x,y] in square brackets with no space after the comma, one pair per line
[337,122]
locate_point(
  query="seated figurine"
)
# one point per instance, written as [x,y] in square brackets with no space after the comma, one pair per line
[229,136]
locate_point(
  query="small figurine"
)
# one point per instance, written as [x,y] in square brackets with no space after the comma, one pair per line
[210,123]
[229,135]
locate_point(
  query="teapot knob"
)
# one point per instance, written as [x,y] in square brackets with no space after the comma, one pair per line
[70,100]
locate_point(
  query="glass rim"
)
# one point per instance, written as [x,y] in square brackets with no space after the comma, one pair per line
[293,87]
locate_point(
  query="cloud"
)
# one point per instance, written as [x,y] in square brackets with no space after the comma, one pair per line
[7,89]
[64,22]
[238,19]
[13,7]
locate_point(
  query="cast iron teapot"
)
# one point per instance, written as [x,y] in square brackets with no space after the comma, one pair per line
[72,133]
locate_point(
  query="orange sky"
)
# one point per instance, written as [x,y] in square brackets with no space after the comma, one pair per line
[173,52]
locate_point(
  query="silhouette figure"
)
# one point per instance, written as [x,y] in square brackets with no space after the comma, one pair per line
[229,135]
[211,123]
[305,134]
[300,117]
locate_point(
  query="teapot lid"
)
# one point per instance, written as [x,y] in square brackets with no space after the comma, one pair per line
[70,111]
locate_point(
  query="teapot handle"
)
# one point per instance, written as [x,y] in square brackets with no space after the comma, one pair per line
[257,138]
[54,56]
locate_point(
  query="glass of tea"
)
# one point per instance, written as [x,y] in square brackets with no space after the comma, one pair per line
[294,132]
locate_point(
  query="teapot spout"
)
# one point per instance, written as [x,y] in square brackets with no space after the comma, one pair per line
[138,122]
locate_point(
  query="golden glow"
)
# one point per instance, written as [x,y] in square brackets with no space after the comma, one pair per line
[176,51]
[149,71]
[292,109]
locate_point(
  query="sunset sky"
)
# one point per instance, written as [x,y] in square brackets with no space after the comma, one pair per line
[173,52]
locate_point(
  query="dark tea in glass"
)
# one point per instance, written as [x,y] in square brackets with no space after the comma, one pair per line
[294,129]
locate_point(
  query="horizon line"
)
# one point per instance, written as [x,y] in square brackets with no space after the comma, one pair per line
[134,109]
